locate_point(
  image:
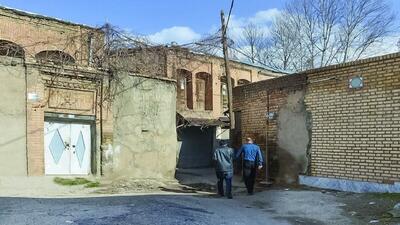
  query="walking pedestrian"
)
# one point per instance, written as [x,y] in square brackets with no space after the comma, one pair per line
[223,158]
[252,161]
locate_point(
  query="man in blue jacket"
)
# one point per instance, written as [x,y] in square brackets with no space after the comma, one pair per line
[252,159]
[223,158]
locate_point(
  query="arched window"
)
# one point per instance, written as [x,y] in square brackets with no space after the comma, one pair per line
[204,91]
[54,56]
[185,88]
[8,48]
[243,82]
[224,92]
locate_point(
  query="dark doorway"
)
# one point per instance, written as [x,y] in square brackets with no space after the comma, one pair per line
[197,147]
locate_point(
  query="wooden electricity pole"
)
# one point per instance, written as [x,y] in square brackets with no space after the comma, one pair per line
[227,70]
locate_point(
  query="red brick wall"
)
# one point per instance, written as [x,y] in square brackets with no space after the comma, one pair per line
[254,101]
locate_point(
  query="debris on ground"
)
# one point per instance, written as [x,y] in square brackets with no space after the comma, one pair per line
[121,186]
[353,213]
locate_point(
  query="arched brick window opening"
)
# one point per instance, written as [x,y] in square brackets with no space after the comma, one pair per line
[10,49]
[204,91]
[224,92]
[243,82]
[55,56]
[185,88]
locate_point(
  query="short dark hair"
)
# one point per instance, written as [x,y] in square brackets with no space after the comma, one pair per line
[223,142]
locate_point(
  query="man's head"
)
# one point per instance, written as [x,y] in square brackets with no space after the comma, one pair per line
[223,143]
[249,140]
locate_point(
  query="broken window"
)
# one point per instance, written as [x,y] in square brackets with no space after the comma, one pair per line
[8,48]
[224,92]
[185,88]
[204,91]
[54,56]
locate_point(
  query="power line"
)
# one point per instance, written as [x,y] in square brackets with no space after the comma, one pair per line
[256,60]
[229,15]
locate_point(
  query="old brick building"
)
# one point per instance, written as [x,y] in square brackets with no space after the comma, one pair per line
[346,121]
[57,117]
[202,102]
[202,97]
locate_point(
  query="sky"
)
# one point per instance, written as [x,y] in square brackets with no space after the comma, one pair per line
[163,21]
[166,17]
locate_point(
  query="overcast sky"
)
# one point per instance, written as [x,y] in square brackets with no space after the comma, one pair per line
[163,21]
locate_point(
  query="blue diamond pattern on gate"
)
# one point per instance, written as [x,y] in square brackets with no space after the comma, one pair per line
[56,146]
[80,148]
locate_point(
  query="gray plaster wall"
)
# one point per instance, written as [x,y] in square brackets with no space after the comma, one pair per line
[144,136]
[13,160]
[293,138]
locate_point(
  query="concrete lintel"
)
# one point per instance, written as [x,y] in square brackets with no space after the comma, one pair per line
[348,185]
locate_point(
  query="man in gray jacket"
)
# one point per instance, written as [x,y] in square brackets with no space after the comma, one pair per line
[223,157]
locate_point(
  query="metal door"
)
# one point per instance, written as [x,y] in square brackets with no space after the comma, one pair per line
[67,148]
[80,149]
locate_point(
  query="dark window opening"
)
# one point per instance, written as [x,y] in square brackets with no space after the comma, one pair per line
[224,92]
[11,49]
[204,91]
[185,88]
[55,56]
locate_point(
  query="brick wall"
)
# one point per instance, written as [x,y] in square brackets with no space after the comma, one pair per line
[36,33]
[356,132]
[252,102]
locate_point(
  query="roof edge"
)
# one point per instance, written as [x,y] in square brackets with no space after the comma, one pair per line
[38,16]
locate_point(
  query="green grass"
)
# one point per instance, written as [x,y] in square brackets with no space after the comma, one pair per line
[71,181]
[76,181]
[92,184]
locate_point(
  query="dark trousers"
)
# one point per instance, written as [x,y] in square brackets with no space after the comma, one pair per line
[227,176]
[249,175]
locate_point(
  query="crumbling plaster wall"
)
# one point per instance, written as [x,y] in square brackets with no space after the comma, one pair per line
[144,136]
[293,137]
[284,136]
[12,118]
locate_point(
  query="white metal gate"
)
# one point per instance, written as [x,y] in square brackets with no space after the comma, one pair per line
[67,148]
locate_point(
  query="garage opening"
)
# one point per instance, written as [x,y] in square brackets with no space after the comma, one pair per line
[196,148]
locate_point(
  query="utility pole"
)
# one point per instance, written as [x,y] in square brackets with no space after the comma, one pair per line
[227,70]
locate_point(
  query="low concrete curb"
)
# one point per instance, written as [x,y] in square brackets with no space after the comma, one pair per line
[349,185]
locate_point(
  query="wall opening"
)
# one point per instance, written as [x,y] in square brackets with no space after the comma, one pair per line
[185,88]
[10,49]
[224,92]
[204,91]
[54,56]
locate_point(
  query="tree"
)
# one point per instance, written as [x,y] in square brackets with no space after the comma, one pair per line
[398,45]
[316,33]
[252,41]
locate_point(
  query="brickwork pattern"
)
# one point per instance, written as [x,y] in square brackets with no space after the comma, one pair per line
[356,132]
[254,101]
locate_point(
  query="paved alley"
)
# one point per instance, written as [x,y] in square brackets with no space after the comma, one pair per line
[272,207]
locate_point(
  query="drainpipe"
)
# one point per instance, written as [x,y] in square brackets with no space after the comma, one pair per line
[101,126]
[26,115]
[267,177]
